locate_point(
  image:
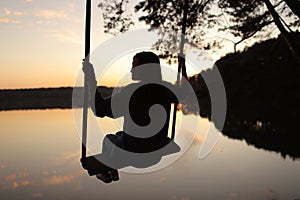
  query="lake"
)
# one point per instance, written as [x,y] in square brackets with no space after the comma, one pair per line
[40,152]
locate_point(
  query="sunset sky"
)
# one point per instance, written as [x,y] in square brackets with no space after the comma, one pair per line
[42,42]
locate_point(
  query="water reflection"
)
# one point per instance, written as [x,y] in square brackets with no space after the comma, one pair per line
[262,98]
[280,137]
[40,160]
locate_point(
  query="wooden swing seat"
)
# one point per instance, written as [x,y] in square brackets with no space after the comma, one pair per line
[94,166]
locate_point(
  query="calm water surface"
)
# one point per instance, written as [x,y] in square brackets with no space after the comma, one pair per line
[40,153]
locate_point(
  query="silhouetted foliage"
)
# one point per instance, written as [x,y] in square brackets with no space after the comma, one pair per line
[262,89]
[164,16]
[294,6]
[253,18]
[44,98]
[116,19]
[247,16]
[167,15]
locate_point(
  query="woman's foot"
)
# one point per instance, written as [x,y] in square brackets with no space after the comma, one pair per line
[114,175]
[109,176]
[105,177]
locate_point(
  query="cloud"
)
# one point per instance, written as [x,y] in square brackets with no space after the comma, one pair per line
[15,185]
[37,195]
[19,13]
[6,11]
[4,20]
[51,14]
[56,180]
[9,19]
[24,183]
[11,177]
[71,156]
[47,17]
[70,37]
[12,21]
[56,14]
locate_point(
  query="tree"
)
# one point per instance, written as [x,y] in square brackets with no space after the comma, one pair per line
[164,16]
[250,17]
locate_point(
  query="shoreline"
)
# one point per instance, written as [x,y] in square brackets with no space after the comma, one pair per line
[44,98]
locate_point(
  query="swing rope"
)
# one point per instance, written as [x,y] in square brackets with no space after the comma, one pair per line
[181,63]
[85,98]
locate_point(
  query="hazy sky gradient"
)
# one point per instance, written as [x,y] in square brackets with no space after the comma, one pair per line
[42,41]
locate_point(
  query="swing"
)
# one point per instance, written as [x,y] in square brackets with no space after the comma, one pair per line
[93,163]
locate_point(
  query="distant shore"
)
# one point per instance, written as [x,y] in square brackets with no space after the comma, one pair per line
[44,98]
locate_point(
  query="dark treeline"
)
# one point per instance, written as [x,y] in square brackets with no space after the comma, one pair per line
[262,88]
[44,98]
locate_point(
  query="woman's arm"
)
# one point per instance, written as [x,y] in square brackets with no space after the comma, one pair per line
[101,107]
